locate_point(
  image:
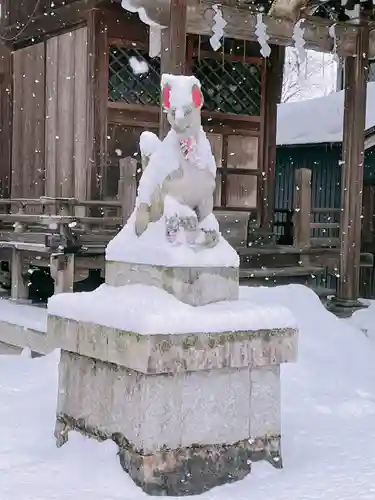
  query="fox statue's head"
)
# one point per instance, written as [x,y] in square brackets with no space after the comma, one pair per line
[182,100]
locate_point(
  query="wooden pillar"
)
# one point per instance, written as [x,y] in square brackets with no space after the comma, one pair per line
[302,213]
[62,268]
[173,49]
[19,290]
[302,209]
[5,120]
[340,74]
[352,169]
[368,213]
[127,187]
[97,102]
[274,82]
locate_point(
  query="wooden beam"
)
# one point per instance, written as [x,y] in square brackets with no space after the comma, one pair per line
[173,49]
[41,26]
[242,25]
[274,82]
[352,169]
[287,10]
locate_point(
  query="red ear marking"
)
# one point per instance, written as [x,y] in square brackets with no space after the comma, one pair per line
[166,97]
[197,97]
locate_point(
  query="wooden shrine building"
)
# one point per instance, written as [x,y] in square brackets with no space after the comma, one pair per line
[72,110]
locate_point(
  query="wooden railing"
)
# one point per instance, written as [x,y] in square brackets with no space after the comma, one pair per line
[57,231]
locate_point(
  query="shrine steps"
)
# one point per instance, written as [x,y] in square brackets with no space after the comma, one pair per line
[275,265]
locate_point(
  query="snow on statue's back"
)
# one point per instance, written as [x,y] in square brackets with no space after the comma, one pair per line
[172,223]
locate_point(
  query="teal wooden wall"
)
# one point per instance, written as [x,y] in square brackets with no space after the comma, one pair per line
[324,160]
[325,163]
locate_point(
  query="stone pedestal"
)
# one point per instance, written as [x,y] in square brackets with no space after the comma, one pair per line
[188,411]
[196,286]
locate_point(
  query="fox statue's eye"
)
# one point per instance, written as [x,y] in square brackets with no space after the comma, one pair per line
[187,111]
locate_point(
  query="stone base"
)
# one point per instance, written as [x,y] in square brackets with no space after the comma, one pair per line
[187,471]
[178,433]
[196,286]
[188,411]
[184,471]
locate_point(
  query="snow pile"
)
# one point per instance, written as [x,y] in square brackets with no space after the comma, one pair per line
[364,319]
[153,248]
[138,66]
[26,316]
[328,413]
[31,467]
[318,120]
[165,313]
[135,6]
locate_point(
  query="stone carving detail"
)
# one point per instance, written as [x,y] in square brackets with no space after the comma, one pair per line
[178,179]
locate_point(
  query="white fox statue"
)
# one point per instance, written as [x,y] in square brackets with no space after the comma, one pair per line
[178,179]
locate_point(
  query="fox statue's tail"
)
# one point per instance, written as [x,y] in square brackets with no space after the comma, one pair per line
[148,144]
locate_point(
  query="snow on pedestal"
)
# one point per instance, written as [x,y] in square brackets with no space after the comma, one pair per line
[194,276]
[164,358]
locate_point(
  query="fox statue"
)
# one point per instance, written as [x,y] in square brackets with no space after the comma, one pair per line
[180,168]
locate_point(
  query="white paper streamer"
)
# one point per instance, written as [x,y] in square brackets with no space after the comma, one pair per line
[261,34]
[217,28]
[299,41]
[154,48]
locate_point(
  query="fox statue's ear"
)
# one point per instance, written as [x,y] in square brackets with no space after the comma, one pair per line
[166,97]
[197,96]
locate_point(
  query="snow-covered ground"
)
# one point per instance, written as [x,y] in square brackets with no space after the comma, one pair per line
[328,422]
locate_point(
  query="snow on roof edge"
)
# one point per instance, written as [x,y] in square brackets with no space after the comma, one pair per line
[319,120]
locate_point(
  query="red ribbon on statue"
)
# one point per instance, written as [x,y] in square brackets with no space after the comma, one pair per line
[187,146]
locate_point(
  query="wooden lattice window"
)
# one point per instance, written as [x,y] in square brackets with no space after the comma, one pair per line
[229,86]
[132,88]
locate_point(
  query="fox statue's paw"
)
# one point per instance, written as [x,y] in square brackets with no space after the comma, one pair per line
[142,219]
[211,238]
[208,238]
